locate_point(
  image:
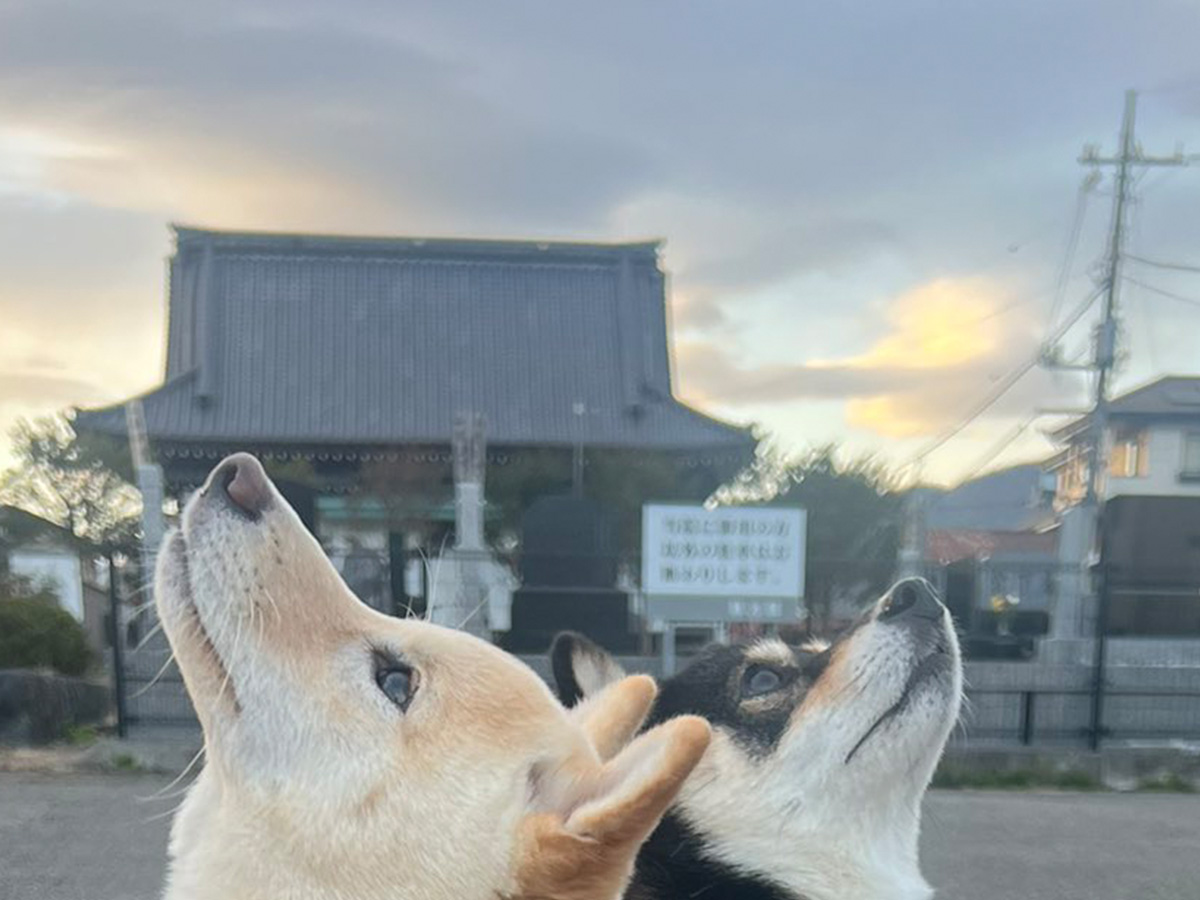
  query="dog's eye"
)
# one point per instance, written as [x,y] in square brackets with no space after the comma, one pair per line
[397,681]
[760,680]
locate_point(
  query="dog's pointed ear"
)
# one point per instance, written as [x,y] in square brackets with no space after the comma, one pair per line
[639,783]
[583,842]
[613,716]
[581,668]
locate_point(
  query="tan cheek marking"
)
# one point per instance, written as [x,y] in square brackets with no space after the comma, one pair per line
[830,686]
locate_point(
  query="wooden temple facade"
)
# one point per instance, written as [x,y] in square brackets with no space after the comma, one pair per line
[344,363]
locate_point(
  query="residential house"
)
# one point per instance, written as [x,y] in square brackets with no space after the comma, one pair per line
[1153,444]
[47,555]
[1151,513]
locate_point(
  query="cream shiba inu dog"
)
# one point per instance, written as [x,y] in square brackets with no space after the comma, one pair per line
[353,756]
[812,787]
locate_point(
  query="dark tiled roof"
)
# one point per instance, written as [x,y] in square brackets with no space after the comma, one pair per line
[1171,397]
[335,340]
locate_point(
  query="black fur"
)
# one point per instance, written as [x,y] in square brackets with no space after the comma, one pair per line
[670,867]
[712,687]
[671,864]
[561,652]
[719,685]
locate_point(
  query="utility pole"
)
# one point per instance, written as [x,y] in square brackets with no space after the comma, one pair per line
[1129,156]
[911,556]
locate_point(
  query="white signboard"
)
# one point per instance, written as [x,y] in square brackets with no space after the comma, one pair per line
[740,552]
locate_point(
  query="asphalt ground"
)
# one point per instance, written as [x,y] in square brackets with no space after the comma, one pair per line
[103,837]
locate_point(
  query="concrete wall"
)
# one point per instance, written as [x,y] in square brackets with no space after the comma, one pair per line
[1117,768]
[1148,652]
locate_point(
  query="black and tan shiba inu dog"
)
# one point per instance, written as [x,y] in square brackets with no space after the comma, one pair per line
[353,756]
[812,785]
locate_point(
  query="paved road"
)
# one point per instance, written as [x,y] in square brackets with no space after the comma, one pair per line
[1034,846]
[96,838]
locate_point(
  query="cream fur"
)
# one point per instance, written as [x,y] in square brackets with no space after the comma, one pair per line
[318,787]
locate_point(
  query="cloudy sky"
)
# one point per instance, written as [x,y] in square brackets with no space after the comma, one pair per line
[866,206]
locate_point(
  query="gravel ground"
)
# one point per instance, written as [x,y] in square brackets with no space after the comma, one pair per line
[96,837]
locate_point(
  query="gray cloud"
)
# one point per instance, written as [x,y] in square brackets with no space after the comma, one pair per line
[37,389]
[712,374]
[819,157]
[397,121]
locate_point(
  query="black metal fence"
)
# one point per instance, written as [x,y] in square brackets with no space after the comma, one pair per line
[154,693]
[1029,703]
[1063,716]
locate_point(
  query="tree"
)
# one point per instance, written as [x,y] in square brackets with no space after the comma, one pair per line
[80,482]
[620,481]
[854,522]
[24,588]
[624,480]
[35,634]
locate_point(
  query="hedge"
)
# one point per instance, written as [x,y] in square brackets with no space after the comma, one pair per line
[36,635]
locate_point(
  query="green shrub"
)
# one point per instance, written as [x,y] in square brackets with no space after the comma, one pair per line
[36,635]
[125,762]
[81,735]
[956,778]
[1167,783]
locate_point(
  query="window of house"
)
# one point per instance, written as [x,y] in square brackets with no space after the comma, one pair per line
[1191,456]
[1129,458]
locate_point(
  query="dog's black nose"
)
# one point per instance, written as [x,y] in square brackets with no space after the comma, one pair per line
[912,597]
[241,480]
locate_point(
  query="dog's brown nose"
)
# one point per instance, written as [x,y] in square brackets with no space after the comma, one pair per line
[242,480]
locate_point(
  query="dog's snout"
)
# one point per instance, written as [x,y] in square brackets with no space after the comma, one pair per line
[242,481]
[912,597]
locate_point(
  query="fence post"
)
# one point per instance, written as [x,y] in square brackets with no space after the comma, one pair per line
[1027,698]
[118,658]
[1099,659]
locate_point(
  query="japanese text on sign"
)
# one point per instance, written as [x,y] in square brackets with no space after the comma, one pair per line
[724,552]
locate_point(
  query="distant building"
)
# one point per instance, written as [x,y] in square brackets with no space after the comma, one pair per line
[990,546]
[344,362]
[1153,445]
[1151,523]
[48,557]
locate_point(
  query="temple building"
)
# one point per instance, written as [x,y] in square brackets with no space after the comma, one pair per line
[345,362]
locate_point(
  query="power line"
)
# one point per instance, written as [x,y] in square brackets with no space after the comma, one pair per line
[1158,264]
[999,447]
[1157,290]
[1140,306]
[1068,263]
[1006,383]
[1143,315]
